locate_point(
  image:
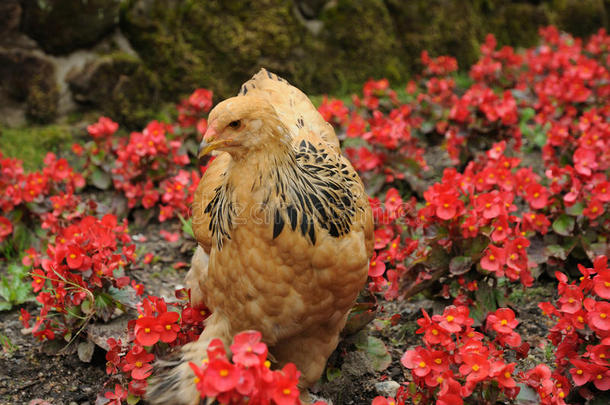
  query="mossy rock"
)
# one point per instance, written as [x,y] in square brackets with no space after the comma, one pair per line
[10,17]
[42,100]
[360,41]
[441,27]
[120,85]
[26,77]
[61,26]
[517,24]
[581,18]
[216,44]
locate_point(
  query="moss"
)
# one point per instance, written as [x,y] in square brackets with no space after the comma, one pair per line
[440,27]
[217,44]
[121,86]
[360,41]
[42,100]
[134,99]
[31,144]
[517,24]
[61,26]
[579,17]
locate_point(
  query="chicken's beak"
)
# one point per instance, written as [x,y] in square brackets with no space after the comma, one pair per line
[209,143]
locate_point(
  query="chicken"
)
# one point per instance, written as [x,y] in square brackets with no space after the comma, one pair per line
[288,229]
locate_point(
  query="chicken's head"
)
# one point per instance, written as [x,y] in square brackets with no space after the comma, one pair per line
[240,125]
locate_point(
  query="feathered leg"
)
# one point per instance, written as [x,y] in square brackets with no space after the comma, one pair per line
[173,380]
[197,275]
[312,361]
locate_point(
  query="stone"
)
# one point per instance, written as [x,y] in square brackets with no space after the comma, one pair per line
[10,17]
[28,77]
[119,85]
[61,26]
[387,388]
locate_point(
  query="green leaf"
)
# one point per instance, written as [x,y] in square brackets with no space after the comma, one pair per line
[485,303]
[564,225]
[375,350]
[438,258]
[527,396]
[576,209]
[5,290]
[23,293]
[86,307]
[460,265]
[332,373]
[104,306]
[132,399]
[5,306]
[556,251]
[100,179]
[187,226]
[474,247]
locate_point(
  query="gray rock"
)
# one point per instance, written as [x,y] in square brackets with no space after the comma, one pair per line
[10,17]
[61,26]
[387,388]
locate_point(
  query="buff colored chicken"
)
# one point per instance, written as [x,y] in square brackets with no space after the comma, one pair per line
[288,229]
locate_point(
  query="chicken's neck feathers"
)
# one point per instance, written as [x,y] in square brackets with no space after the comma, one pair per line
[302,189]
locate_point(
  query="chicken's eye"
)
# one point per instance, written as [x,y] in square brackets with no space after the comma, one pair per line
[235,124]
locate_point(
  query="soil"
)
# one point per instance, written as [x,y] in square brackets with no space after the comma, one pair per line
[30,376]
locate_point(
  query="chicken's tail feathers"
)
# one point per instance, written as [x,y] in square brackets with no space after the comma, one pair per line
[172,382]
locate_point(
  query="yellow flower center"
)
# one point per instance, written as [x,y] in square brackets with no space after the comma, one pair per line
[434,332]
[602,315]
[286,391]
[492,257]
[72,256]
[606,284]
[223,372]
[138,364]
[507,374]
[503,322]
[438,360]
[168,327]
[476,367]
[446,205]
[439,379]
[599,377]
[422,364]
[196,380]
[450,318]
[146,330]
[579,372]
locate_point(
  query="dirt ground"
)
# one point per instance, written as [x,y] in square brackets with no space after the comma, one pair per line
[29,376]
